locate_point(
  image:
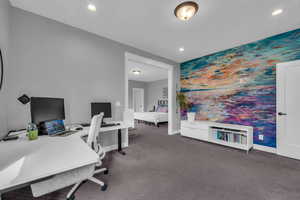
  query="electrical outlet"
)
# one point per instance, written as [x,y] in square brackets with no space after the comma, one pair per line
[261,137]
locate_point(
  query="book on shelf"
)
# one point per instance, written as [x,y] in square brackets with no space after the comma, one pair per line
[229,135]
[244,139]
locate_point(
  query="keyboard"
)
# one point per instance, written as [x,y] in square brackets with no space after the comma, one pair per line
[65,133]
[85,124]
[109,125]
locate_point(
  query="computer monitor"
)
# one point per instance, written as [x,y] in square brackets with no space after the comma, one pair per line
[97,108]
[46,109]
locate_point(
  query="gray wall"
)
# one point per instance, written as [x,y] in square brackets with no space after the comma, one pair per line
[4,45]
[55,60]
[136,84]
[155,92]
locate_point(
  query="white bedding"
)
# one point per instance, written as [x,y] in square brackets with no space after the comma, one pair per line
[154,117]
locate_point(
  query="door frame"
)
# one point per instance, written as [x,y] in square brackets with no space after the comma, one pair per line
[171,88]
[143,97]
[280,78]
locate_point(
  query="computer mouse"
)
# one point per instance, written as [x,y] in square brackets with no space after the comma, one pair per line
[79,129]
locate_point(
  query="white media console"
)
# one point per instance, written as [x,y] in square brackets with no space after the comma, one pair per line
[235,136]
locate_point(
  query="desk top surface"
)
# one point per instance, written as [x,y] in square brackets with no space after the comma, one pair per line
[23,161]
[104,130]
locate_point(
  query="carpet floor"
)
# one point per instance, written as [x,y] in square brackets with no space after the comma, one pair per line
[162,167]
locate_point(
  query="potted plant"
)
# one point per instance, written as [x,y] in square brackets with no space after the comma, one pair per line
[185,106]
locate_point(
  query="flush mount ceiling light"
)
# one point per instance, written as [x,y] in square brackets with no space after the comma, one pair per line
[186,10]
[92,7]
[136,72]
[277,12]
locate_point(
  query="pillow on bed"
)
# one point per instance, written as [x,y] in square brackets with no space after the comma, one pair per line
[162,108]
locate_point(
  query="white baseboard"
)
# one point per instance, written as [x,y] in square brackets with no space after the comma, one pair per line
[174,132]
[264,148]
[114,147]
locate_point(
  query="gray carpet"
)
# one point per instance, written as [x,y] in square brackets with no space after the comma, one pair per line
[162,167]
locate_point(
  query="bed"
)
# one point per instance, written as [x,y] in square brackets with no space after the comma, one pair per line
[157,117]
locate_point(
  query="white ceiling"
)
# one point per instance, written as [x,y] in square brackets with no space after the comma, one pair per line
[149,73]
[150,25]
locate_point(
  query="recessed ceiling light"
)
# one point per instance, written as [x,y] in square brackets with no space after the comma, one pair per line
[181,49]
[92,7]
[277,12]
[136,72]
[186,10]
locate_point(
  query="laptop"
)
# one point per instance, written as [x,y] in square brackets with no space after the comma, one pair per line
[57,128]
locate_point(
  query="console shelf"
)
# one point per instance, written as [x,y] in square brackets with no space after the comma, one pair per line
[235,136]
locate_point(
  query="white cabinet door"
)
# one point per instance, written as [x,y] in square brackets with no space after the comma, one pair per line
[288,109]
[200,134]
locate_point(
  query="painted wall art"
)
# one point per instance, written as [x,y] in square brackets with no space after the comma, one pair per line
[238,85]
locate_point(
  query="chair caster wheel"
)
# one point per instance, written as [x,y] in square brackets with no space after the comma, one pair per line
[104,187]
[106,172]
[71,197]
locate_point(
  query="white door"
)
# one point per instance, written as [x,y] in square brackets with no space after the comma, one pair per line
[288,109]
[138,99]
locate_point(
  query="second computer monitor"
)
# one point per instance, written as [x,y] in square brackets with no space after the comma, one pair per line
[97,108]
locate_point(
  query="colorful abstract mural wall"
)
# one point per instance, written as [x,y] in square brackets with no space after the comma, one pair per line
[238,85]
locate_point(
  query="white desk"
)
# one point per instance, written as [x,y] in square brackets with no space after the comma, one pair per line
[119,128]
[104,130]
[23,162]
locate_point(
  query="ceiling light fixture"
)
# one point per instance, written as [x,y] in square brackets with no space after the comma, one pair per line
[277,12]
[92,7]
[186,10]
[181,49]
[136,72]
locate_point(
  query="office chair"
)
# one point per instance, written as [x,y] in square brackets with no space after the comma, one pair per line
[93,143]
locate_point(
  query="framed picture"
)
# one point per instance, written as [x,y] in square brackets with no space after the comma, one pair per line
[1,70]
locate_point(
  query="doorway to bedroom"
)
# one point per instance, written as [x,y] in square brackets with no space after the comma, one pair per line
[148,86]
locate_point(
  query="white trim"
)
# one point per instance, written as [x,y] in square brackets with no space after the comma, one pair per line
[176,132]
[114,147]
[148,61]
[171,94]
[171,91]
[286,64]
[126,105]
[265,148]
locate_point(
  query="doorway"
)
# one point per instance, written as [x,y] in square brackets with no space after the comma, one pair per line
[171,107]
[288,109]
[138,99]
